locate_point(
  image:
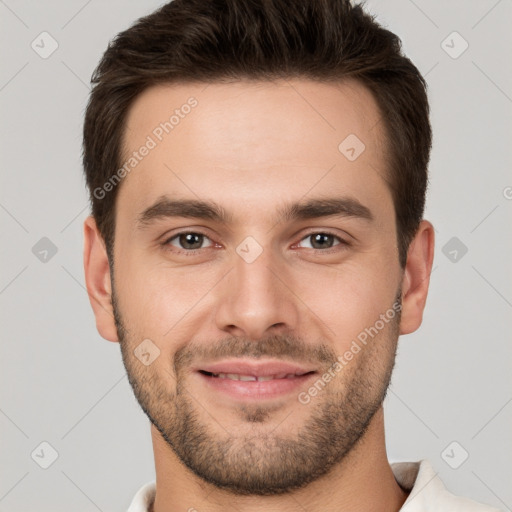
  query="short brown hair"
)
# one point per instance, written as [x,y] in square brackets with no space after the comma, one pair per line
[215,40]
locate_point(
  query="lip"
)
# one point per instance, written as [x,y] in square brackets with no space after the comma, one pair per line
[255,390]
[256,368]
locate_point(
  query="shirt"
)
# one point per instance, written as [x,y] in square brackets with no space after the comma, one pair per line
[427,492]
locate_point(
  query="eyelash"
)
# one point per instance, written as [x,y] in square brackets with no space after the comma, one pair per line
[166,244]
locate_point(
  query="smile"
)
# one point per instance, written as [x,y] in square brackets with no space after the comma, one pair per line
[244,379]
[254,378]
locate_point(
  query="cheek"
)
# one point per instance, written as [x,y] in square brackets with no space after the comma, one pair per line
[160,301]
[349,299]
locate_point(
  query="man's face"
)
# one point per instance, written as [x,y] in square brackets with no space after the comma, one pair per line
[258,293]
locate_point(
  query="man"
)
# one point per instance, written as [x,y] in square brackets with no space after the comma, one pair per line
[258,174]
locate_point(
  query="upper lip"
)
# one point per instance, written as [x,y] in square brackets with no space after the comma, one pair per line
[257,369]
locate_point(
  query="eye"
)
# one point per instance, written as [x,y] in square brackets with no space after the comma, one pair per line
[323,240]
[188,241]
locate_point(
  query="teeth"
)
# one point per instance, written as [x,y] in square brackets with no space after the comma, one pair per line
[236,376]
[247,377]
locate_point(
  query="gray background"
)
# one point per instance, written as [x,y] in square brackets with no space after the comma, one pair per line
[63,384]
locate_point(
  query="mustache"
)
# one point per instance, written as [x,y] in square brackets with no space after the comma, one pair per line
[286,347]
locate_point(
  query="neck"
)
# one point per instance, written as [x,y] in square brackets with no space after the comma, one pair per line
[363,481]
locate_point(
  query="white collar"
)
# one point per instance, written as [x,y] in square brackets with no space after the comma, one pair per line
[427,492]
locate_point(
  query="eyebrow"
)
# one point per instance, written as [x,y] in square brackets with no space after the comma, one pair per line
[343,207]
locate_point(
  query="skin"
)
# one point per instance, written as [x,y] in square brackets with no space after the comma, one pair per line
[251,147]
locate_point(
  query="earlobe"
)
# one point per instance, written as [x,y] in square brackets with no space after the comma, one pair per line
[97,280]
[416,278]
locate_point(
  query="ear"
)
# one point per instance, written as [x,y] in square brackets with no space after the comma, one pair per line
[416,278]
[97,280]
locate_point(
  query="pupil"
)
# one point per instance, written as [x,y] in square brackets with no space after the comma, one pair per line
[191,239]
[321,237]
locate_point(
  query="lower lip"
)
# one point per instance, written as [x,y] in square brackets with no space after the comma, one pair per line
[252,389]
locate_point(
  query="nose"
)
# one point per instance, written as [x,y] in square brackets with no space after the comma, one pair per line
[256,299]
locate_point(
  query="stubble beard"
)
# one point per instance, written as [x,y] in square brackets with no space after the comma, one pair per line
[257,460]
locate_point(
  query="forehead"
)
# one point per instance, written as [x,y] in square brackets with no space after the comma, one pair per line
[253,142]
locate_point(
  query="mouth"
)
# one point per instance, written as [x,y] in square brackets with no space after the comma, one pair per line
[249,380]
[253,378]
